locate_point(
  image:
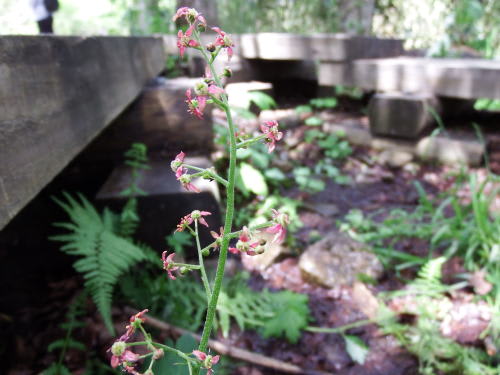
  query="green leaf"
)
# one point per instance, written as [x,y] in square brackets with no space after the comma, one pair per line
[59,344]
[275,174]
[170,363]
[356,348]
[243,153]
[311,135]
[253,180]
[313,121]
[324,102]
[303,109]
[291,315]
[262,100]
[260,158]
[56,369]
[178,241]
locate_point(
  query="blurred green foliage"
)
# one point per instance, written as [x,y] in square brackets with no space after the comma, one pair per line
[445,27]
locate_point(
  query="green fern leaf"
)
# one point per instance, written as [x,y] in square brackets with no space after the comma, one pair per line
[291,316]
[103,255]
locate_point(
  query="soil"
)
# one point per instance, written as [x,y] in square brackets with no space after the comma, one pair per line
[29,322]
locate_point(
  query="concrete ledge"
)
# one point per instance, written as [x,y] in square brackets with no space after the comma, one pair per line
[56,95]
[401,115]
[456,78]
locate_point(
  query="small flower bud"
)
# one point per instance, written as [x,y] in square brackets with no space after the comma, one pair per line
[118,348]
[196,214]
[210,47]
[205,252]
[192,15]
[185,179]
[227,72]
[184,270]
[201,88]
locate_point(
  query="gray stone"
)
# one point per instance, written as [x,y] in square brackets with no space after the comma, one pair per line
[400,115]
[452,151]
[456,78]
[56,95]
[337,260]
[395,158]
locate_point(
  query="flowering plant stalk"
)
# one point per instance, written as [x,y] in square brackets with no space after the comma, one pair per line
[208,91]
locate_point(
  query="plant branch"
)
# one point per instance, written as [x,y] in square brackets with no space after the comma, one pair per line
[204,277]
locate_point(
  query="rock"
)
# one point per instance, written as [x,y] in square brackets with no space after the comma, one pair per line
[337,260]
[395,158]
[364,300]
[260,262]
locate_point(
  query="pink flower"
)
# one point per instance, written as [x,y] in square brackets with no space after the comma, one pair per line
[224,41]
[185,41]
[217,237]
[207,360]
[139,316]
[244,244]
[188,219]
[281,221]
[190,14]
[181,12]
[134,320]
[185,179]
[184,223]
[122,356]
[168,264]
[215,90]
[270,130]
[195,105]
[177,162]
[198,215]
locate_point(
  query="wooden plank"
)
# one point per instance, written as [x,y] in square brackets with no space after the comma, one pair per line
[56,95]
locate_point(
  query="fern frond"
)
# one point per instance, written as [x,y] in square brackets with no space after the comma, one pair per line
[104,256]
[428,280]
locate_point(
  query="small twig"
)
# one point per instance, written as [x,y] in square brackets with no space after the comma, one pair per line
[231,351]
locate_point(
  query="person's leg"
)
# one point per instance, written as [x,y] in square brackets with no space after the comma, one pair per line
[45,25]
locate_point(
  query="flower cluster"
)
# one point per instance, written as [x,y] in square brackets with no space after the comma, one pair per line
[272,134]
[279,228]
[224,41]
[185,40]
[246,245]
[207,361]
[120,355]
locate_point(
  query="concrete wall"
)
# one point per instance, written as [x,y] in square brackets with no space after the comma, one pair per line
[56,95]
